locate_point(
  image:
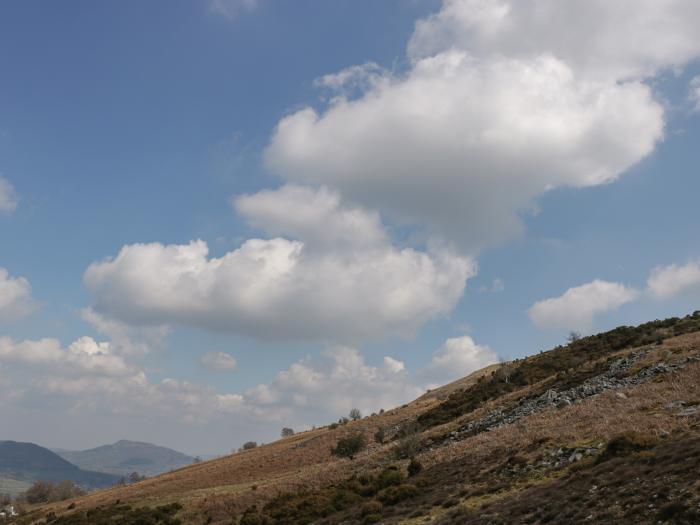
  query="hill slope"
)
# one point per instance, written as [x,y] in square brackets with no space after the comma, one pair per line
[27,462]
[125,457]
[604,430]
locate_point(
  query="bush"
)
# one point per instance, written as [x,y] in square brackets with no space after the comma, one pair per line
[350,445]
[46,491]
[414,467]
[397,494]
[627,444]
[287,432]
[407,446]
[249,445]
[379,436]
[252,516]
[388,478]
[371,507]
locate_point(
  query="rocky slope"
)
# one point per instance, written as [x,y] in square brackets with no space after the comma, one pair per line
[604,430]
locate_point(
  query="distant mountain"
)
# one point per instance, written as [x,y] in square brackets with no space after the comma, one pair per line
[125,457]
[24,463]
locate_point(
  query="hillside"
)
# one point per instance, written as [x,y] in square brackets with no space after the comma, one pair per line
[603,430]
[124,457]
[23,463]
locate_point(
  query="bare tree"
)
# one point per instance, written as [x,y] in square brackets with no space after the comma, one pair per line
[506,371]
[573,337]
[355,414]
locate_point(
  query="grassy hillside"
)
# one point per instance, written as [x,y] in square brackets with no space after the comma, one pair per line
[27,462]
[604,430]
[124,457]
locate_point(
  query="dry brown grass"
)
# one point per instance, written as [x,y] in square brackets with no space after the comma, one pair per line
[224,487]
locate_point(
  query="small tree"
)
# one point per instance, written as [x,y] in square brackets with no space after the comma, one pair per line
[39,492]
[287,432]
[408,444]
[135,477]
[249,445]
[573,337]
[348,446]
[505,372]
[355,414]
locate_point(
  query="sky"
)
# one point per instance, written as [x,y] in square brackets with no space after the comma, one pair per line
[219,218]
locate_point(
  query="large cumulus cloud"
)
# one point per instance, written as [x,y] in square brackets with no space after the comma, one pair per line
[502,101]
[339,279]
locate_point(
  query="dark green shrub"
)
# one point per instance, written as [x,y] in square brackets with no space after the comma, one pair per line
[396,494]
[371,507]
[626,444]
[388,478]
[349,446]
[252,516]
[414,467]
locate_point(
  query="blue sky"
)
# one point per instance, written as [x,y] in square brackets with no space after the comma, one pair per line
[442,183]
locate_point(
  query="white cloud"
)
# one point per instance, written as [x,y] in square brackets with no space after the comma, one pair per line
[456,358]
[322,391]
[231,8]
[354,77]
[578,306]
[125,339]
[341,281]
[526,96]
[219,361]
[86,378]
[84,356]
[15,297]
[8,196]
[599,38]
[437,147]
[669,281]
[694,93]
[315,392]
[315,216]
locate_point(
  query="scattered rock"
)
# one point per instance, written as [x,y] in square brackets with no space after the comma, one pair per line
[614,379]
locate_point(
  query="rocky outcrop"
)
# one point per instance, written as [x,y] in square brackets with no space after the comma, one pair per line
[614,379]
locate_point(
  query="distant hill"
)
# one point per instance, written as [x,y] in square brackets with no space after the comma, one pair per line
[24,463]
[125,457]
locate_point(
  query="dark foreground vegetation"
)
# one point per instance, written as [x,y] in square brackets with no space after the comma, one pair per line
[119,514]
[634,481]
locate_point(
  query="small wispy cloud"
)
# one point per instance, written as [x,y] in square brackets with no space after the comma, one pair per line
[219,361]
[694,93]
[231,8]
[8,196]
